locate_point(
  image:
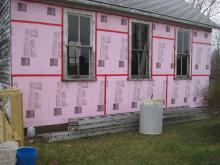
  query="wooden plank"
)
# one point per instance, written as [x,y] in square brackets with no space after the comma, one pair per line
[91,126]
[15,119]
[68,135]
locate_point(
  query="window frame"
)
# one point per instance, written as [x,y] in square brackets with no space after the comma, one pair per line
[189,70]
[91,76]
[140,77]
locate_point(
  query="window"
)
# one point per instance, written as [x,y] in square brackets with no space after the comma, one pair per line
[140,50]
[183,53]
[79,56]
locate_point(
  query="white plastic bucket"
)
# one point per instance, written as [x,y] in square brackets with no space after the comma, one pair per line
[151,117]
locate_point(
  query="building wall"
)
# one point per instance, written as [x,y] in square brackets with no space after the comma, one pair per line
[5,66]
[37,38]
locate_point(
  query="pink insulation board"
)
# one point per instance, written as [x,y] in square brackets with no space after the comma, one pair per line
[199,89]
[112,53]
[201,36]
[112,22]
[187,92]
[117,95]
[179,92]
[127,96]
[163,56]
[36,49]
[160,88]
[49,101]
[201,59]
[30,11]
[163,30]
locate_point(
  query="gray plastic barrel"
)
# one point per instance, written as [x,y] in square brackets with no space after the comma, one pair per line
[151,117]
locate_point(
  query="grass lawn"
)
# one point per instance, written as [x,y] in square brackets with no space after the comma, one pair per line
[191,143]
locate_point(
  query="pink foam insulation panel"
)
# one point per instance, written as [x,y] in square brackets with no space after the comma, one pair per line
[199,90]
[201,36]
[201,59]
[163,56]
[37,50]
[163,30]
[117,95]
[112,22]
[36,12]
[50,101]
[123,96]
[187,92]
[179,92]
[160,88]
[112,53]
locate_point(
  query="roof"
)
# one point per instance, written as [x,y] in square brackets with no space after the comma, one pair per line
[173,10]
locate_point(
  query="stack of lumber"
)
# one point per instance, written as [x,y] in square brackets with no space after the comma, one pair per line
[98,125]
[184,114]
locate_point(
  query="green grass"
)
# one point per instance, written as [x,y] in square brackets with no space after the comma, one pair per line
[194,143]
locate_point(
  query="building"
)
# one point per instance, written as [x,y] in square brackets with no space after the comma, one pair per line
[79,58]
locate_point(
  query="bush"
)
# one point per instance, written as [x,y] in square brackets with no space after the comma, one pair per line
[214,89]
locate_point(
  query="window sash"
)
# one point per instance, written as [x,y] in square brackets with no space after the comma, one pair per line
[183,47]
[78,64]
[85,48]
[183,51]
[140,52]
[181,56]
[79,28]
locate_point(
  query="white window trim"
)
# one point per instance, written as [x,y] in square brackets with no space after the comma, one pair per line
[150,48]
[180,77]
[92,16]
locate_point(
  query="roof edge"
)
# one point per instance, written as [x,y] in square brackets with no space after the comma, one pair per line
[140,12]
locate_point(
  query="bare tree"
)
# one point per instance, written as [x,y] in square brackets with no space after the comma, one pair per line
[209,8]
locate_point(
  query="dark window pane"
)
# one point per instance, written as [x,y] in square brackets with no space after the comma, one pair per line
[140,36]
[73,61]
[178,65]
[84,61]
[85,30]
[142,63]
[134,63]
[184,65]
[144,37]
[140,45]
[186,42]
[73,28]
[180,42]
[135,36]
